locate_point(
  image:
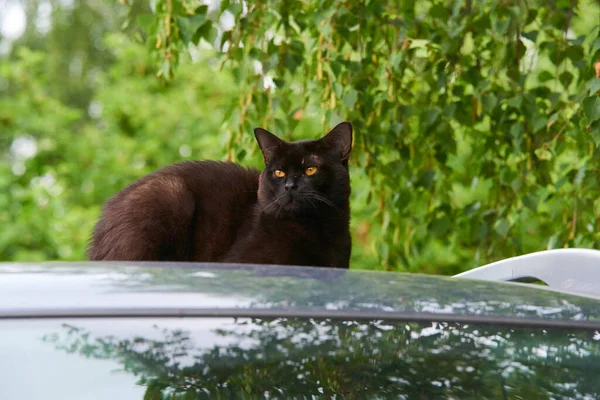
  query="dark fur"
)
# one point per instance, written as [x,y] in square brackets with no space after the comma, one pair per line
[217,211]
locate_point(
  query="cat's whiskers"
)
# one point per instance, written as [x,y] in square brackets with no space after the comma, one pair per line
[312,203]
[273,203]
[311,197]
[318,197]
[268,207]
[278,211]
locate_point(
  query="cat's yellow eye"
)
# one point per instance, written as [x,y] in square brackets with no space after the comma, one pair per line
[310,171]
[278,173]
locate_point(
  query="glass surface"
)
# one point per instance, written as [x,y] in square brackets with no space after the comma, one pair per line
[211,357]
[106,286]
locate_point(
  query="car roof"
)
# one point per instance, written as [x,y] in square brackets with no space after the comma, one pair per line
[130,289]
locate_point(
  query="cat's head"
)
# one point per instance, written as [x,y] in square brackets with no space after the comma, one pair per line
[305,177]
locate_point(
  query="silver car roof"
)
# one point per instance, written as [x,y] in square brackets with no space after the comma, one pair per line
[121,289]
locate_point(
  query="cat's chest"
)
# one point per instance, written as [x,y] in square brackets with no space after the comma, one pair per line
[292,243]
[302,242]
[313,234]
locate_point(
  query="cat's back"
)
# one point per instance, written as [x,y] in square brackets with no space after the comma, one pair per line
[221,189]
[211,182]
[190,210]
[203,176]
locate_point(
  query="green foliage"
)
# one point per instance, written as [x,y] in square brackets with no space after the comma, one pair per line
[477,122]
[50,199]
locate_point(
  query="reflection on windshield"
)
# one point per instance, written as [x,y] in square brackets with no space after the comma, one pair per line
[284,358]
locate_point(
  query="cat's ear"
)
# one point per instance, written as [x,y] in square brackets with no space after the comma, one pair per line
[339,139]
[268,143]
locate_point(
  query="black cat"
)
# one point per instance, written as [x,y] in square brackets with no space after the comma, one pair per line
[296,212]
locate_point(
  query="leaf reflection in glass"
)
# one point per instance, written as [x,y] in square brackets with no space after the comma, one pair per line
[284,358]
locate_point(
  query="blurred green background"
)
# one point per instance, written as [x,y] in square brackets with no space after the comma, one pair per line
[477,122]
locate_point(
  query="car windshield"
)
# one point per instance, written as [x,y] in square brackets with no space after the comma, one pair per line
[148,358]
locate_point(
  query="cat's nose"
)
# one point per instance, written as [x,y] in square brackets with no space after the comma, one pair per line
[291,185]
